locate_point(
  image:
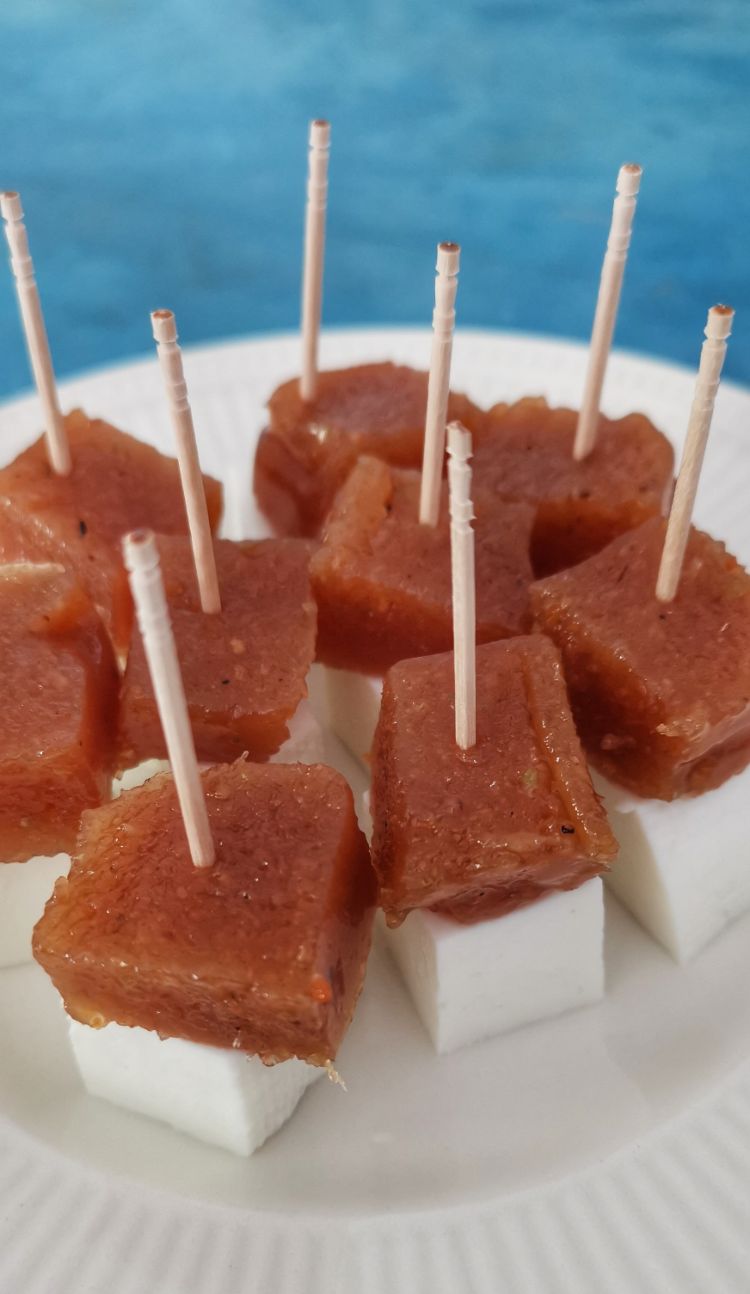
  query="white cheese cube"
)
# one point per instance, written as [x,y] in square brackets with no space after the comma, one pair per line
[138,774]
[473,982]
[352,709]
[306,742]
[219,1096]
[363,805]
[24,890]
[316,691]
[684,867]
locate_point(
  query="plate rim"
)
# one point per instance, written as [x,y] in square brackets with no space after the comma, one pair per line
[431,1247]
[202,351]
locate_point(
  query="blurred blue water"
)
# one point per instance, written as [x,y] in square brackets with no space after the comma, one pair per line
[160,151]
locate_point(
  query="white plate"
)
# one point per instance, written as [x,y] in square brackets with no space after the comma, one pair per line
[605,1151]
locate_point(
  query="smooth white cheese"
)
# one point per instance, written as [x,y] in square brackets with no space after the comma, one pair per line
[306,741]
[684,867]
[24,890]
[473,982]
[223,1097]
[219,1096]
[352,706]
[137,775]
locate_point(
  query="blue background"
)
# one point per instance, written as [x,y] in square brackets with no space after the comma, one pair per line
[159,146]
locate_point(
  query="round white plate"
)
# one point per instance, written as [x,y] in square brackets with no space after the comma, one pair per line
[608,1150]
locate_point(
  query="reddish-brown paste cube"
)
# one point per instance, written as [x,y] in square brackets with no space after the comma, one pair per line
[476,833]
[527,453]
[243,668]
[660,691]
[59,688]
[264,951]
[382,581]
[116,484]
[310,446]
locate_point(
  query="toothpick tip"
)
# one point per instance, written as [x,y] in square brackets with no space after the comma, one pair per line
[320,133]
[448,258]
[10,205]
[719,324]
[139,549]
[164,325]
[459,441]
[629,179]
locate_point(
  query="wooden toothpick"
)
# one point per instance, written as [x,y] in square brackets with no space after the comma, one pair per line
[315,240]
[443,323]
[605,316]
[58,449]
[713,350]
[170,359]
[142,561]
[463,583]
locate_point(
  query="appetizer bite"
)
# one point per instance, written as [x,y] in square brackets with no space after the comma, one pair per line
[382,583]
[310,446]
[579,506]
[382,573]
[212,925]
[655,637]
[115,482]
[70,496]
[56,740]
[320,423]
[660,690]
[254,961]
[481,805]
[243,617]
[243,667]
[589,478]
[475,833]
[382,579]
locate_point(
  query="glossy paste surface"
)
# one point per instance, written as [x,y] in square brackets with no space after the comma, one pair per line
[383,581]
[59,687]
[263,951]
[243,668]
[528,454]
[477,833]
[116,484]
[660,691]
[310,447]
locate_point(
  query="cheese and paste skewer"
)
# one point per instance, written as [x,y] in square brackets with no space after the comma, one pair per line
[219,963]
